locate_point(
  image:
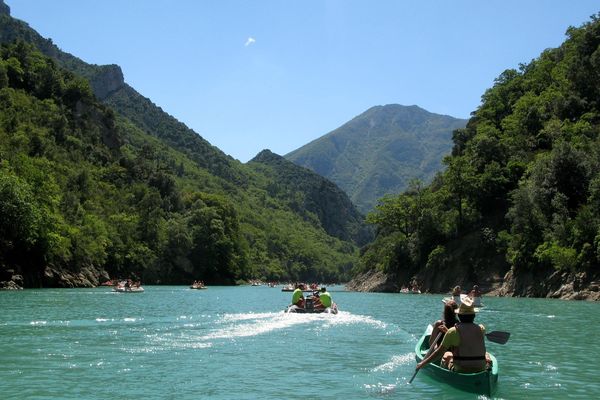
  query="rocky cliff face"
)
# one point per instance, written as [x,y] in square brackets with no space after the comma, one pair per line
[104,79]
[87,277]
[373,281]
[556,285]
[108,79]
[559,285]
[4,9]
[52,277]
[9,280]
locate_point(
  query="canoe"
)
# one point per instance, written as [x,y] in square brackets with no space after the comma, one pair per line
[458,299]
[133,289]
[291,289]
[484,382]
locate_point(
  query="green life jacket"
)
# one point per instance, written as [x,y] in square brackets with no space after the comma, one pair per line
[325,299]
[297,295]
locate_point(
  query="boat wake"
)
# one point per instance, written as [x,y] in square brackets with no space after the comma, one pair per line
[230,327]
[253,324]
[395,362]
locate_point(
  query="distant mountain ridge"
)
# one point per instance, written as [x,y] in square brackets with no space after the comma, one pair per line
[380,151]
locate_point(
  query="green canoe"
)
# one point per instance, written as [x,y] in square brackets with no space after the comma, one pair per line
[481,382]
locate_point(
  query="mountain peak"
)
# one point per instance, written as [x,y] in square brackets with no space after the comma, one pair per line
[265,156]
[4,8]
[379,151]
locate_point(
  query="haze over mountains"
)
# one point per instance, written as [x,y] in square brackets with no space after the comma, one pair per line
[380,151]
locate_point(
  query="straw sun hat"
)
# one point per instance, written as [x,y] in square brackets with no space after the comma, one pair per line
[466,307]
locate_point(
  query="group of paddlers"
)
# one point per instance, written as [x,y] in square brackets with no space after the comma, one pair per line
[321,299]
[198,285]
[457,342]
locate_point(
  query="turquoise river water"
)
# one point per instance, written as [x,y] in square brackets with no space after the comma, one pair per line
[171,342]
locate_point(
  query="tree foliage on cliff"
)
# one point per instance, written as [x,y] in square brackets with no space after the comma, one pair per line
[523,179]
[81,186]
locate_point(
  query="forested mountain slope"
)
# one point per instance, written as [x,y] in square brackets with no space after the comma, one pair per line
[314,196]
[121,188]
[518,206]
[380,151]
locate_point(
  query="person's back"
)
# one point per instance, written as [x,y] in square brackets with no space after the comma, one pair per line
[325,298]
[298,297]
[468,347]
[442,326]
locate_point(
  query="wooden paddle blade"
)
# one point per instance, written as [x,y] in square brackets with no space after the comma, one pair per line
[498,337]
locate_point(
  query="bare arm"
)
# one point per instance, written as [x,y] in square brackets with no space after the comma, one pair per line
[434,333]
[436,353]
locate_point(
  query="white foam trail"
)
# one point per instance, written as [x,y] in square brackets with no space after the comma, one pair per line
[38,322]
[268,322]
[252,324]
[247,316]
[394,363]
[276,322]
[381,388]
[346,318]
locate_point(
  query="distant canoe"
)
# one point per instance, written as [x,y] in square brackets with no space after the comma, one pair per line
[289,289]
[410,291]
[133,289]
[458,300]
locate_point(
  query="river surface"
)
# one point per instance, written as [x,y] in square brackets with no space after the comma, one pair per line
[171,342]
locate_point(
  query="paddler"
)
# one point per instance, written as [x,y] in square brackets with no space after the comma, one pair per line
[298,296]
[323,300]
[467,341]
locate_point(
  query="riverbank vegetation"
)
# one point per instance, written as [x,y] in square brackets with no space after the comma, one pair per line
[521,189]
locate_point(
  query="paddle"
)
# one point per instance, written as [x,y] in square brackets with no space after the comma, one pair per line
[498,337]
[426,355]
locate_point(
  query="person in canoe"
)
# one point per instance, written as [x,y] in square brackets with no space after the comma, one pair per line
[475,294]
[456,292]
[467,341]
[298,297]
[442,325]
[323,299]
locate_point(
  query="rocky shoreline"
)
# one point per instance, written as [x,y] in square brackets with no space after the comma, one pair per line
[54,278]
[556,285]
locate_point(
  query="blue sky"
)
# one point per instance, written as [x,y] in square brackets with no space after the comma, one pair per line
[249,75]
